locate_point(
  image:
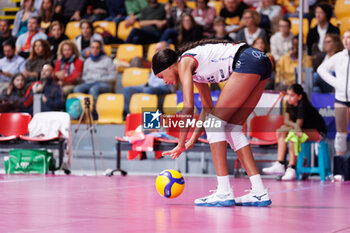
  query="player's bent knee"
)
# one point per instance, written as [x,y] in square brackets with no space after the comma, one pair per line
[340,143]
[235,137]
[216,134]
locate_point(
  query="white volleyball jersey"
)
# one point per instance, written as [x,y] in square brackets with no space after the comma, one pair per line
[214,61]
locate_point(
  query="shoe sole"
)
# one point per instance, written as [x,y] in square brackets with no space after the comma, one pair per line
[217,204]
[258,203]
[274,173]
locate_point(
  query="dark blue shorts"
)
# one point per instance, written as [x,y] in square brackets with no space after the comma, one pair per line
[253,61]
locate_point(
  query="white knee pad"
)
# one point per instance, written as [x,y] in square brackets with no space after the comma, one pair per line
[340,142]
[235,136]
[216,134]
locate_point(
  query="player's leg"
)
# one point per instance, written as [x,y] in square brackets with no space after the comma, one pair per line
[223,111]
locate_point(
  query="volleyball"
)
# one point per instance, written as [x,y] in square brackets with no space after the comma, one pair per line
[170,183]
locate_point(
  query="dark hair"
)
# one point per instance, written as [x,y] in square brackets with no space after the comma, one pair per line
[36,18]
[327,9]
[46,50]
[338,44]
[9,42]
[47,16]
[297,89]
[267,48]
[23,90]
[166,57]
[88,22]
[287,21]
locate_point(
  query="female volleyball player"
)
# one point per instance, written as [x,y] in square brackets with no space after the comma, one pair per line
[246,71]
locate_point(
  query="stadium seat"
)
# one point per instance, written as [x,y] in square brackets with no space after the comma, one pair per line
[344,25]
[216,5]
[107,50]
[109,26]
[142,101]
[170,104]
[190,4]
[110,108]
[135,76]
[152,49]
[222,84]
[126,52]
[332,21]
[262,129]
[73,29]
[342,8]
[12,125]
[295,27]
[124,32]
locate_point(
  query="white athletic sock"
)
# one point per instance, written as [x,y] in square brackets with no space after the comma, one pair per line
[257,184]
[223,184]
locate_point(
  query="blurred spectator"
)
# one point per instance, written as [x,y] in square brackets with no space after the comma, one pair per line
[20,24]
[10,64]
[281,42]
[133,10]
[47,15]
[40,55]
[261,44]
[26,40]
[56,37]
[303,118]
[152,22]
[52,96]
[189,30]
[71,10]
[96,10]
[37,4]
[268,8]
[173,17]
[5,34]
[232,13]
[332,44]
[204,16]
[116,10]
[220,29]
[153,86]
[69,67]
[98,73]
[251,31]
[285,67]
[86,37]
[13,96]
[316,35]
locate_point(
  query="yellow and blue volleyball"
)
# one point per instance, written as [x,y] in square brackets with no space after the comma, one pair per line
[170,183]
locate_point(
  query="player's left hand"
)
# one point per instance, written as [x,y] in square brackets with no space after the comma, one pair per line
[176,152]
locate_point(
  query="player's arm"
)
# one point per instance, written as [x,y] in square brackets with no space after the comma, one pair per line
[185,69]
[207,106]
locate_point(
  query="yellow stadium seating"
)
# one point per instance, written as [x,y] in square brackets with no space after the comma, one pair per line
[143,102]
[108,49]
[109,107]
[314,22]
[342,8]
[216,5]
[109,26]
[344,25]
[295,27]
[126,52]
[73,30]
[170,104]
[152,49]
[135,76]
[124,32]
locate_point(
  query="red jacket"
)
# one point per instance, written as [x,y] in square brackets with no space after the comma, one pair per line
[75,73]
